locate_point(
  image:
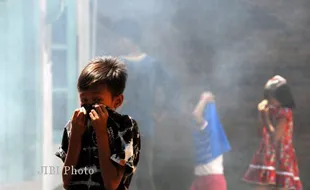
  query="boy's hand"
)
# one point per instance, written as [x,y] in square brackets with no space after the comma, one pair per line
[99,118]
[78,123]
[207,96]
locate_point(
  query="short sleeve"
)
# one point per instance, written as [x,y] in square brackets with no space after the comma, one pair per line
[63,148]
[129,153]
[204,125]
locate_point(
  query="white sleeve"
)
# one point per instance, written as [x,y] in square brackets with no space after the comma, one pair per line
[204,125]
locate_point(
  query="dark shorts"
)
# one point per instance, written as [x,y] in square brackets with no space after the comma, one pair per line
[209,182]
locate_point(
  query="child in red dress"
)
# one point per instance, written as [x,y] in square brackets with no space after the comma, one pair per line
[275,164]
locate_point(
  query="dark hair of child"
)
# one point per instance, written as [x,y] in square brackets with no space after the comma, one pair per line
[281,92]
[108,71]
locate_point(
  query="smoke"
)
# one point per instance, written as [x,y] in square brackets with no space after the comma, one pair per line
[224,46]
[230,47]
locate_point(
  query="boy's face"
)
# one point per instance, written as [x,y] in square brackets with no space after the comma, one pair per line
[100,95]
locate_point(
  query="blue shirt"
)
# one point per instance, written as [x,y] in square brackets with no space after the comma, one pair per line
[145,76]
[211,141]
[140,92]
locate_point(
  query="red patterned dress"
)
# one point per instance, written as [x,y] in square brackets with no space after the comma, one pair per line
[276,164]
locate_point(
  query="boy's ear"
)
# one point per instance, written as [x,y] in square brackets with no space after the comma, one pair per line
[118,101]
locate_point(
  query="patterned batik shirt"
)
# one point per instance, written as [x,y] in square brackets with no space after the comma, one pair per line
[124,140]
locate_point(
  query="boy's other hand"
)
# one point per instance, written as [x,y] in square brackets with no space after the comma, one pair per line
[207,96]
[99,118]
[78,123]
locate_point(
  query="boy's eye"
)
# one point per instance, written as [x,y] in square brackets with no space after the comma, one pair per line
[97,101]
[84,100]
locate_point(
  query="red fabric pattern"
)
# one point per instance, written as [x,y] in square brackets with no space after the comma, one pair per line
[276,164]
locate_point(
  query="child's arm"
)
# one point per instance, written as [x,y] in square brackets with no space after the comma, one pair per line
[67,152]
[279,129]
[114,166]
[122,164]
[77,128]
[269,124]
[71,160]
[206,97]
[111,174]
[264,116]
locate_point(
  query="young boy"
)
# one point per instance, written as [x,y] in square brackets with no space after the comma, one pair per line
[100,148]
[210,144]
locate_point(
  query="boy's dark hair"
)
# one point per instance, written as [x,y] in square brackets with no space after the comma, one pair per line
[281,92]
[108,71]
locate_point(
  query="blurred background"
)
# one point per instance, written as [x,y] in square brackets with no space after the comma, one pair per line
[231,47]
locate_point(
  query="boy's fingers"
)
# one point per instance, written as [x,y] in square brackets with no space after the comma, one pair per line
[104,110]
[99,110]
[80,114]
[92,117]
[75,114]
[94,114]
[83,110]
